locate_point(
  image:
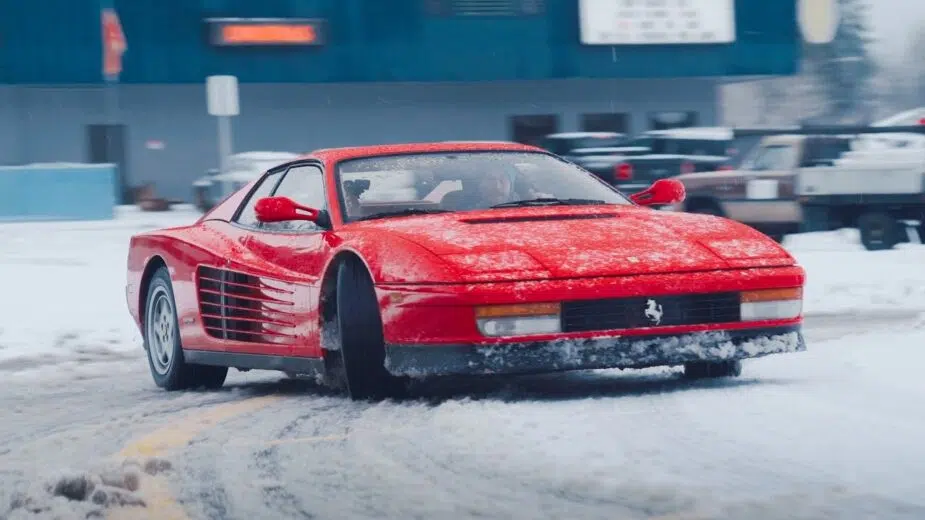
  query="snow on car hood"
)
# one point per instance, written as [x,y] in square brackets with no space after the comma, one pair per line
[570,242]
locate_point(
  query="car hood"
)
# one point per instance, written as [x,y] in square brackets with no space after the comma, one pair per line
[572,242]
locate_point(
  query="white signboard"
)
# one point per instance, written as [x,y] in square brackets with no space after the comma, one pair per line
[762,189]
[818,20]
[657,22]
[222,95]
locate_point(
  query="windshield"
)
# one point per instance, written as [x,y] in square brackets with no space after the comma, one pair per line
[461,181]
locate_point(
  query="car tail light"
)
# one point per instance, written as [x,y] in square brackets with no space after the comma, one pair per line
[725,168]
[771,304]
[623,172]
[687,167]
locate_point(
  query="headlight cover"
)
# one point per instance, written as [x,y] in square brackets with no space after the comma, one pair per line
[771,304]
[518,319]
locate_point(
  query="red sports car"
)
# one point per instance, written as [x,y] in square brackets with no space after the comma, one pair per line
[367,266]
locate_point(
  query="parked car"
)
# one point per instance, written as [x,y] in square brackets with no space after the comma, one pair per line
[472,275]
[660,154]
[241,169]
[573,145]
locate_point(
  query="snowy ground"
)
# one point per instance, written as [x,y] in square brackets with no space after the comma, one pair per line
[829,433]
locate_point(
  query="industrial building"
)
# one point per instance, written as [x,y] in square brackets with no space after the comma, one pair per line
[321,73]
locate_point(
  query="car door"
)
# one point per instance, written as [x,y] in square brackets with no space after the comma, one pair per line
[292,255]
[229,320]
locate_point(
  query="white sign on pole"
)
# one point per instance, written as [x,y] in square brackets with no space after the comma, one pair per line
[657,22]
[818,20]
[222,101]
[222,95]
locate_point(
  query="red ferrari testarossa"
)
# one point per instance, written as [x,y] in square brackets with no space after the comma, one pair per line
[367,266]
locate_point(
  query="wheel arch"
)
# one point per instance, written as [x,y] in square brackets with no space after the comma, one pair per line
[152,266]
[327,314]
[327,304]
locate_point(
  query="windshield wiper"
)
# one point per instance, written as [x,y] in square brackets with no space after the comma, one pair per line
[549,201]
[403,213]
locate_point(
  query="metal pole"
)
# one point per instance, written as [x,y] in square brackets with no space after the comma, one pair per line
[111,117]
[111,93]
[224,141]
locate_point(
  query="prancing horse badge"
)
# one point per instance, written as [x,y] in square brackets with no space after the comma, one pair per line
[654,312]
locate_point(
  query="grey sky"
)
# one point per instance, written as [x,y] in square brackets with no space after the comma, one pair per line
[892,22]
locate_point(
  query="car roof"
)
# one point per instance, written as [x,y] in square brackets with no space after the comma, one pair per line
[710,133]
[359,152]
[584,135]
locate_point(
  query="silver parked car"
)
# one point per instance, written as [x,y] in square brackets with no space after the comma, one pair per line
[241,169]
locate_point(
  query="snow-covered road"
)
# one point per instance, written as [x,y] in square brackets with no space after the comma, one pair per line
[833,432]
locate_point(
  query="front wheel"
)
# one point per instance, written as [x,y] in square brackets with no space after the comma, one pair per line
[362,344]
[879,231]
[712,369]
[169,369]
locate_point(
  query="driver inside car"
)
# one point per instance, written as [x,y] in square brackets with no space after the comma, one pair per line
[490,188]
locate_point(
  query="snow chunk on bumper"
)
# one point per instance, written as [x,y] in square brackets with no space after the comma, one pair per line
[590,353]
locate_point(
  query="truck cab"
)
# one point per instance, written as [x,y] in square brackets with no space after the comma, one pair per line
[761,192]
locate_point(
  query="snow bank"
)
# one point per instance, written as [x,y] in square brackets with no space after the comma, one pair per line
[843,277]
[64,286]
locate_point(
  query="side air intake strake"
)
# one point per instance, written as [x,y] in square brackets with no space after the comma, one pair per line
[242,307]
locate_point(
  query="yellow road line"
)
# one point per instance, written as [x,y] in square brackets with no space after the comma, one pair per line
[155,490]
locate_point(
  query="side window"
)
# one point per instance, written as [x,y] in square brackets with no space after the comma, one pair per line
[660,145]
[822,152]
[247,216]
[305,185]
[773,157]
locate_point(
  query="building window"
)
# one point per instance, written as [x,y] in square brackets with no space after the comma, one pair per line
[605,122]
[484,7]
[672,119]
[531,129]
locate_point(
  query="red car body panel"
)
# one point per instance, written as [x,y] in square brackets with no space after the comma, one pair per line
[430,271]
[443,314]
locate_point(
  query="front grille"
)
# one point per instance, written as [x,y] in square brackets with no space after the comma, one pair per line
[629,313]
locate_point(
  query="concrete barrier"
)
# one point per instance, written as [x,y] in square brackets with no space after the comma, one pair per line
[61,191]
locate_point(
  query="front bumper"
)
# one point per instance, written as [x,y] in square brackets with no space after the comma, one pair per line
[591,353]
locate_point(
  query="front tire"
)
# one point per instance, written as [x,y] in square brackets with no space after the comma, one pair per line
[712,369]
[169,369]
[879,231]
[362,344]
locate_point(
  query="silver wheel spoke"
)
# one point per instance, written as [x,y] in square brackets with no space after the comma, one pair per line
[160,330]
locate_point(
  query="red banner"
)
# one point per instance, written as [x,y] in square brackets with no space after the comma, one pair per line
[113,44]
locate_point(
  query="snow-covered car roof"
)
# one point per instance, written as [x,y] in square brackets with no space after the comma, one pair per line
[583,135]
[580,135]
[712,133]
[906,118]
[607,149]
[265,156]
[246,166]
[238,175]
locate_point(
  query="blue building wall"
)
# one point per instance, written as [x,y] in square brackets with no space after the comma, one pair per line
[40,124]
[54,42]
[57,192]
